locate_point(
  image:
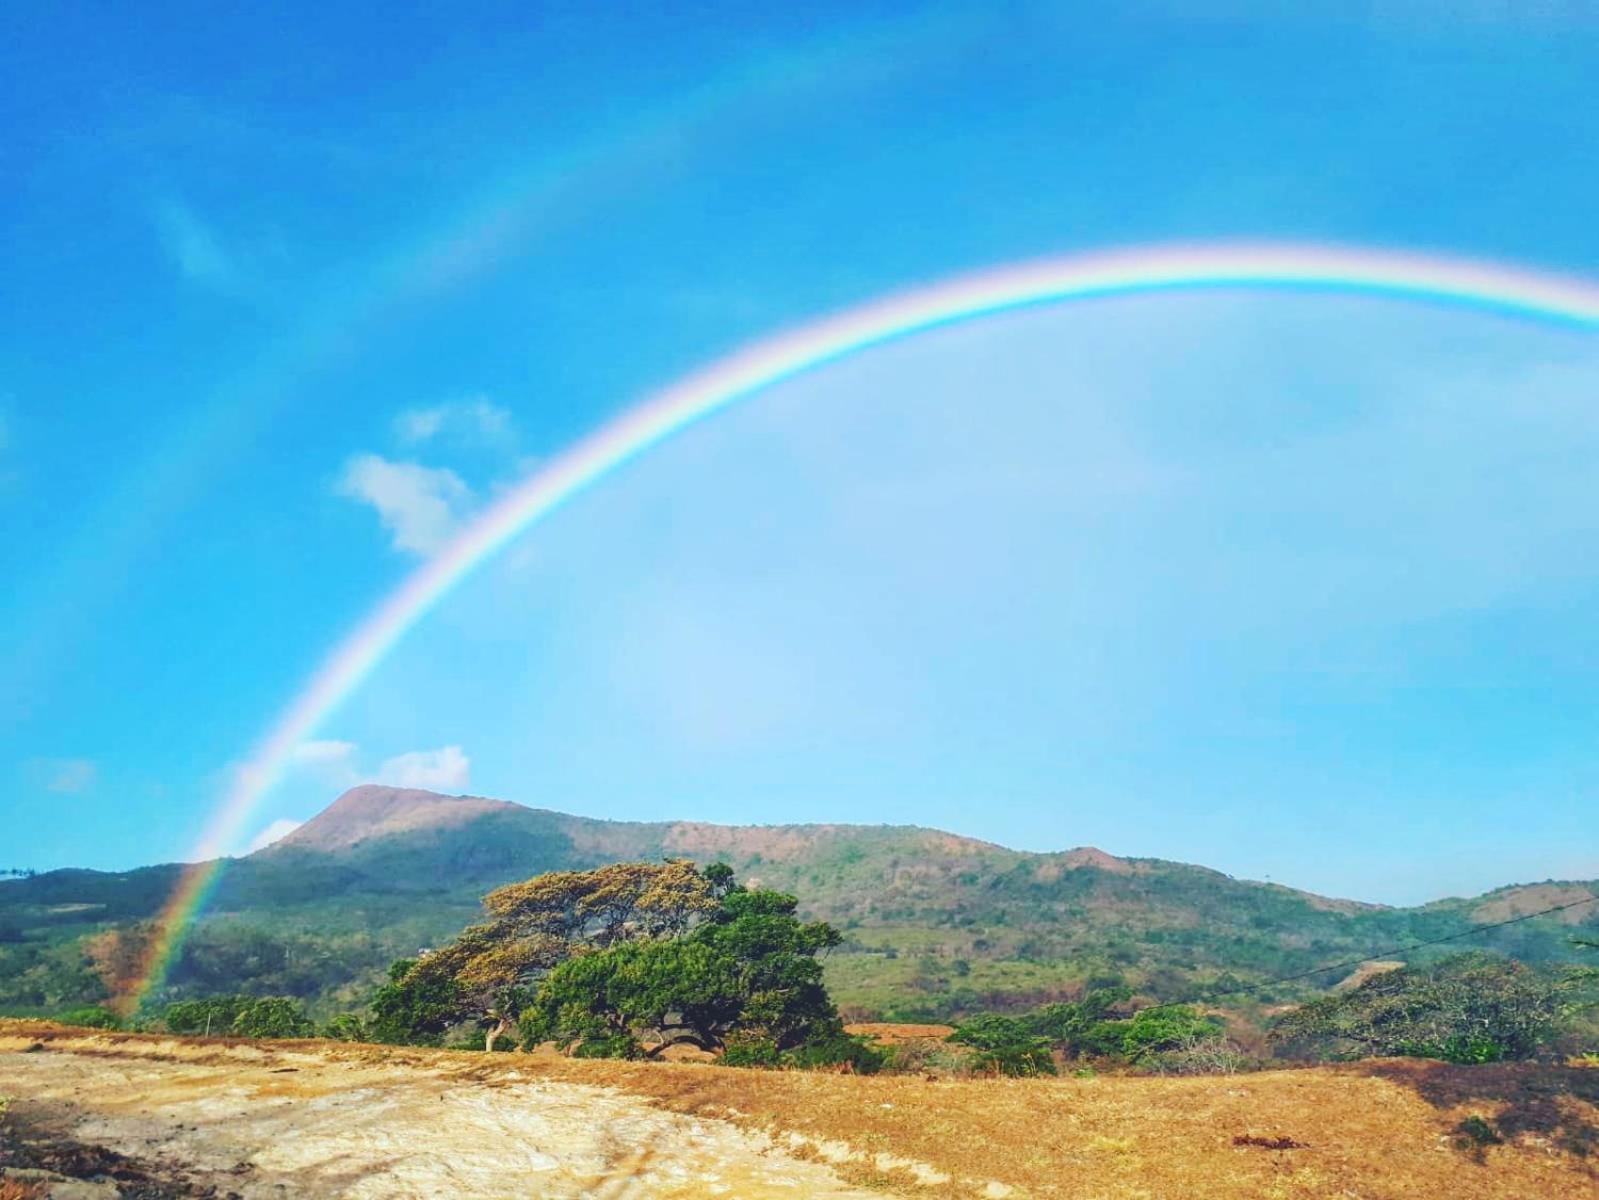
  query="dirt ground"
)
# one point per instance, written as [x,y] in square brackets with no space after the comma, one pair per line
[162,1117]
[167,1117]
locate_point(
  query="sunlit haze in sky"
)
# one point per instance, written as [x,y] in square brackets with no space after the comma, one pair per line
[1295,586]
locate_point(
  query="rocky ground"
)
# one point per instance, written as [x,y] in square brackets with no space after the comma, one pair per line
[157,1120]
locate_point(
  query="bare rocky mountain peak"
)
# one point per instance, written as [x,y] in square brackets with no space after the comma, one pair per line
[375,810]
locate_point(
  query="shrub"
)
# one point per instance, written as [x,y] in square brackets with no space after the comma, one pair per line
[1472,1008]
[838,1050]
[213,1016]
[92,1017]
[620,1045]
[1212,1055]
[745,1050]
[272,1017]
[346,1027]
[1081,1029]
[412,1009]
[1005,1045]
[1155,1031]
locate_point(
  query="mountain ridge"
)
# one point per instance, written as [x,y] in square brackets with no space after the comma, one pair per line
[934,924]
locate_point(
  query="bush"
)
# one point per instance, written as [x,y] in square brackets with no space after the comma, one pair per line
[858,1054]
[1005,1045]
[1082,1029]
[1213,1055]
[1155,1031]
[212,1017]
[346,1027]
[746,1050]
[92,1017]
[1472,1008]
[413,1010]
[619,1045]
[272,1017]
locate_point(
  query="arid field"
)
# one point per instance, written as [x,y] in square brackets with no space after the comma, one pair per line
[155,1116]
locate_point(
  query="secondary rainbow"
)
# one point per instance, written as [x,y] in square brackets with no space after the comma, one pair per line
[1483,286]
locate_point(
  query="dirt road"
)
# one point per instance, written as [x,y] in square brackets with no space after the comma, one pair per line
[183,1119]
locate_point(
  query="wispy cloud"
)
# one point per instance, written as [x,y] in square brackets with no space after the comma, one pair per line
[419,506]
[328,761]
[64,776]
[477,420]
[446,768]
[194,246]
[275,832]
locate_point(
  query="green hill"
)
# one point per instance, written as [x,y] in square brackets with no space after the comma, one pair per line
[935,924]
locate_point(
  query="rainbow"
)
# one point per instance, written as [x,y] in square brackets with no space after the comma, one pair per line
[1481,286]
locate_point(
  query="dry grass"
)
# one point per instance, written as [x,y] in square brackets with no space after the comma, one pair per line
[1383,1130]
[889,1033]
[1389,1130]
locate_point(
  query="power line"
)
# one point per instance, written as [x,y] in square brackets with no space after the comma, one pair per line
[1355,962]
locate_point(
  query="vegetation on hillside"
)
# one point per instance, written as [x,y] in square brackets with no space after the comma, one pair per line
[934,928]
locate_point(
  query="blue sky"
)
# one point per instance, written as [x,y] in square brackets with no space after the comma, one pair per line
[1292,587]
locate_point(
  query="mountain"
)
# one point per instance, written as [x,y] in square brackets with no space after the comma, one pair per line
[935,923]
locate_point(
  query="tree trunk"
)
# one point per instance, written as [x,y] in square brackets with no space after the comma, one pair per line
[500,1027]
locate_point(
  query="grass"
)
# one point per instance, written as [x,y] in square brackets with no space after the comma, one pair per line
[1389,1129]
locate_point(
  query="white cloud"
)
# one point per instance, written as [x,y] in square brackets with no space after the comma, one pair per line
[444,769]
[328,761]
[67,776]
[419,506]
[478,420]
[275,832]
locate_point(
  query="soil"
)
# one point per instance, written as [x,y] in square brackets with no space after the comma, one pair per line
[165,1119]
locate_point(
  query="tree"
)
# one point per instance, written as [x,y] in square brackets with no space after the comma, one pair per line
[1155,1031]
[1083,1027]
[346,1027]
[488,972]
[211,1017]
[273,1017]
[91,1017]
[412,1010]
[1005,1045]
[747,973]
[1469,1008]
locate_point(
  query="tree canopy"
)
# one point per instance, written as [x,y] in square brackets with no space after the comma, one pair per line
[1470,1008]
[748,967]
[487,973]
[628,960]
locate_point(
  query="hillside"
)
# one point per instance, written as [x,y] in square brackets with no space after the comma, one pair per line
[936,924]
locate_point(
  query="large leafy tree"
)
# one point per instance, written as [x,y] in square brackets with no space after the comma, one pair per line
[487,973]
[413,1010]
[748,969]
[1469,1008]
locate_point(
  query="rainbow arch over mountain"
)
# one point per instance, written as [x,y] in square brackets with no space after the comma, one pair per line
[1487,287]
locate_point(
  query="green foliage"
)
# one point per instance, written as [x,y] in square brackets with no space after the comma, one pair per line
[213,1017]
[1005,1045]
[749,969]
[840,1049]
[617,1045]
[1081,1028]
[346,1027]
[750,1050]
[413,1010]
[91,1017]
[273,1017]
[1153,1031]
[1472,1008]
